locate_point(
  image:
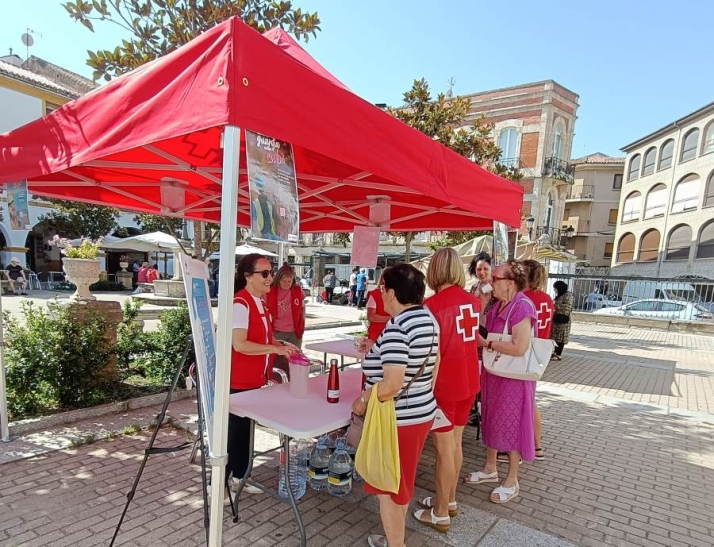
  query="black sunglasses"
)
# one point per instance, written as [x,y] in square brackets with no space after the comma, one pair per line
[264,273]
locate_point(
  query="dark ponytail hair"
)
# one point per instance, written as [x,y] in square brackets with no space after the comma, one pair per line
[246,266]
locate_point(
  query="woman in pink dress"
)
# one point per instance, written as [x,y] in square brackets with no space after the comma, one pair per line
[507,405]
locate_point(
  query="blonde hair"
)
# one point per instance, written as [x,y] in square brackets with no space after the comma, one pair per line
[445,268]
[537,276]
[284,270]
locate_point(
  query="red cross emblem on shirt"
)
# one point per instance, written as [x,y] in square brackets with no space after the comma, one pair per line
[467,323]
[544,315]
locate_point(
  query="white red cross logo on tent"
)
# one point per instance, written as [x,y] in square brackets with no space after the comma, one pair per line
[467,323]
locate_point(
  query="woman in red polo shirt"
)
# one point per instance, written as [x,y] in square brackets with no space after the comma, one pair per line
[537,277]
[376,314]
[286,302]
[457,383]
[253,344]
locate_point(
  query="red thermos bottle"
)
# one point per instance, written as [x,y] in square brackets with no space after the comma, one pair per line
[333,383]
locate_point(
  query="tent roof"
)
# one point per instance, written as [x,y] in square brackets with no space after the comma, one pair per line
[150,141]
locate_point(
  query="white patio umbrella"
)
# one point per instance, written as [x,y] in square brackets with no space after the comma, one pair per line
[146,243]
[242,250]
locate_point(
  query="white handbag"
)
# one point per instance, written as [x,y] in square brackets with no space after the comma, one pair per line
[529,366]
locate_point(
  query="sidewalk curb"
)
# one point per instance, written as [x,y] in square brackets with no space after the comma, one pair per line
[64,418]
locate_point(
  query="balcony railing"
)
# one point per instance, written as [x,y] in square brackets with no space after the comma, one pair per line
[559,169]
[582,192]
[555,236]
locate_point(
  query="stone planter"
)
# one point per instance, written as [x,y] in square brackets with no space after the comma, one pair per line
[83,272]
[124,265]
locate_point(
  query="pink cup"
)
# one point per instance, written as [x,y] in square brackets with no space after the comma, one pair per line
[299,375]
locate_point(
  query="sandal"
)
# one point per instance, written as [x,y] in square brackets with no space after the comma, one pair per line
[556,358]
[539,455]
[479,477]
[504,493]
[427,503]
[440,524]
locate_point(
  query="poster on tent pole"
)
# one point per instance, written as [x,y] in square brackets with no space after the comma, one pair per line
[500,243]
[195,277]
[365,245]
[18,206]
[272,182]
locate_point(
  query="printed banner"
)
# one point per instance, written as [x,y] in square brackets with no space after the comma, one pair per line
[195,275]
[500,243]
[274,207]
[365,244]
[18,206]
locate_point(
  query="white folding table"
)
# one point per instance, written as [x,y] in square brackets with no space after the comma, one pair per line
[344,347]
[275,408]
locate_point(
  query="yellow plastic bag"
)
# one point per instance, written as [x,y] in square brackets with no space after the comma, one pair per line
[377,458]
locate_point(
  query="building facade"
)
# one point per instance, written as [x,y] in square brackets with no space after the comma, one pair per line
[591,208]
[29,90]
[534,126]
[666,224]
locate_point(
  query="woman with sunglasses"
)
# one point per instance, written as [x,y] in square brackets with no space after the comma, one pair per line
[507,405]
[253,346]
[286,301]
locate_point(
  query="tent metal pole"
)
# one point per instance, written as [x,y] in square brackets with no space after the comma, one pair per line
[219,437]
[4,424]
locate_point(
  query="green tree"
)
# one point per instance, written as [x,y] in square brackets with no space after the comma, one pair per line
[73,219]
[445,120]
[159,223]
[157,27]
[342,238]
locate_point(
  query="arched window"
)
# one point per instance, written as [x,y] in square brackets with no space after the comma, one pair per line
[686,194]
[508,143]
[634,167]
[679,243]
[649,161]
[665,155]
[632,207]
[705,245]
[689,145]
[656,203]
[709,192]
[626,248]
[649,246]
[708,143]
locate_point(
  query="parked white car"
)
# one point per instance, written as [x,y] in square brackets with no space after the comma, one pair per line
[659,309]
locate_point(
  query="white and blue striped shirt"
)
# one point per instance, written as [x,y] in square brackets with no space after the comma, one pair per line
[407,340]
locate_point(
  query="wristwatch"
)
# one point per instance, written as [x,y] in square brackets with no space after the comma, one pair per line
[361,400]
[489,347]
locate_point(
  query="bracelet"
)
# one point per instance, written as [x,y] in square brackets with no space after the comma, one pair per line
[489,347]
[361,399]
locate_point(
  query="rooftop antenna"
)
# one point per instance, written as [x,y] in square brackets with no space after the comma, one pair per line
[450,92]
[28,40]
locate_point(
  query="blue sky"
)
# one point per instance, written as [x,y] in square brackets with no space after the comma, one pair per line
[636,66]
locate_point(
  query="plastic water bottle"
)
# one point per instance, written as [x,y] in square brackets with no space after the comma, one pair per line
[319,466]
[352,452]
[297,470]
[339,481]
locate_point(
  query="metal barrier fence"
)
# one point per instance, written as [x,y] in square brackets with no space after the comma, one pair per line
[682,298]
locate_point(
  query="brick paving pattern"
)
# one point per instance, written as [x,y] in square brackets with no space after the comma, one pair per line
[656,367]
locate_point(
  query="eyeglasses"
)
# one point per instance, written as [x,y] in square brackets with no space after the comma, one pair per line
[495,278]
[264,273]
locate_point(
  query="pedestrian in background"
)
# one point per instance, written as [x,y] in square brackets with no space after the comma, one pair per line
[353,286]
[329,282]
[563,305]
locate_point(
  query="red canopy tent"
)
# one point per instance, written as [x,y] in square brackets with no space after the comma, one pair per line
[166,139]
[151,141]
